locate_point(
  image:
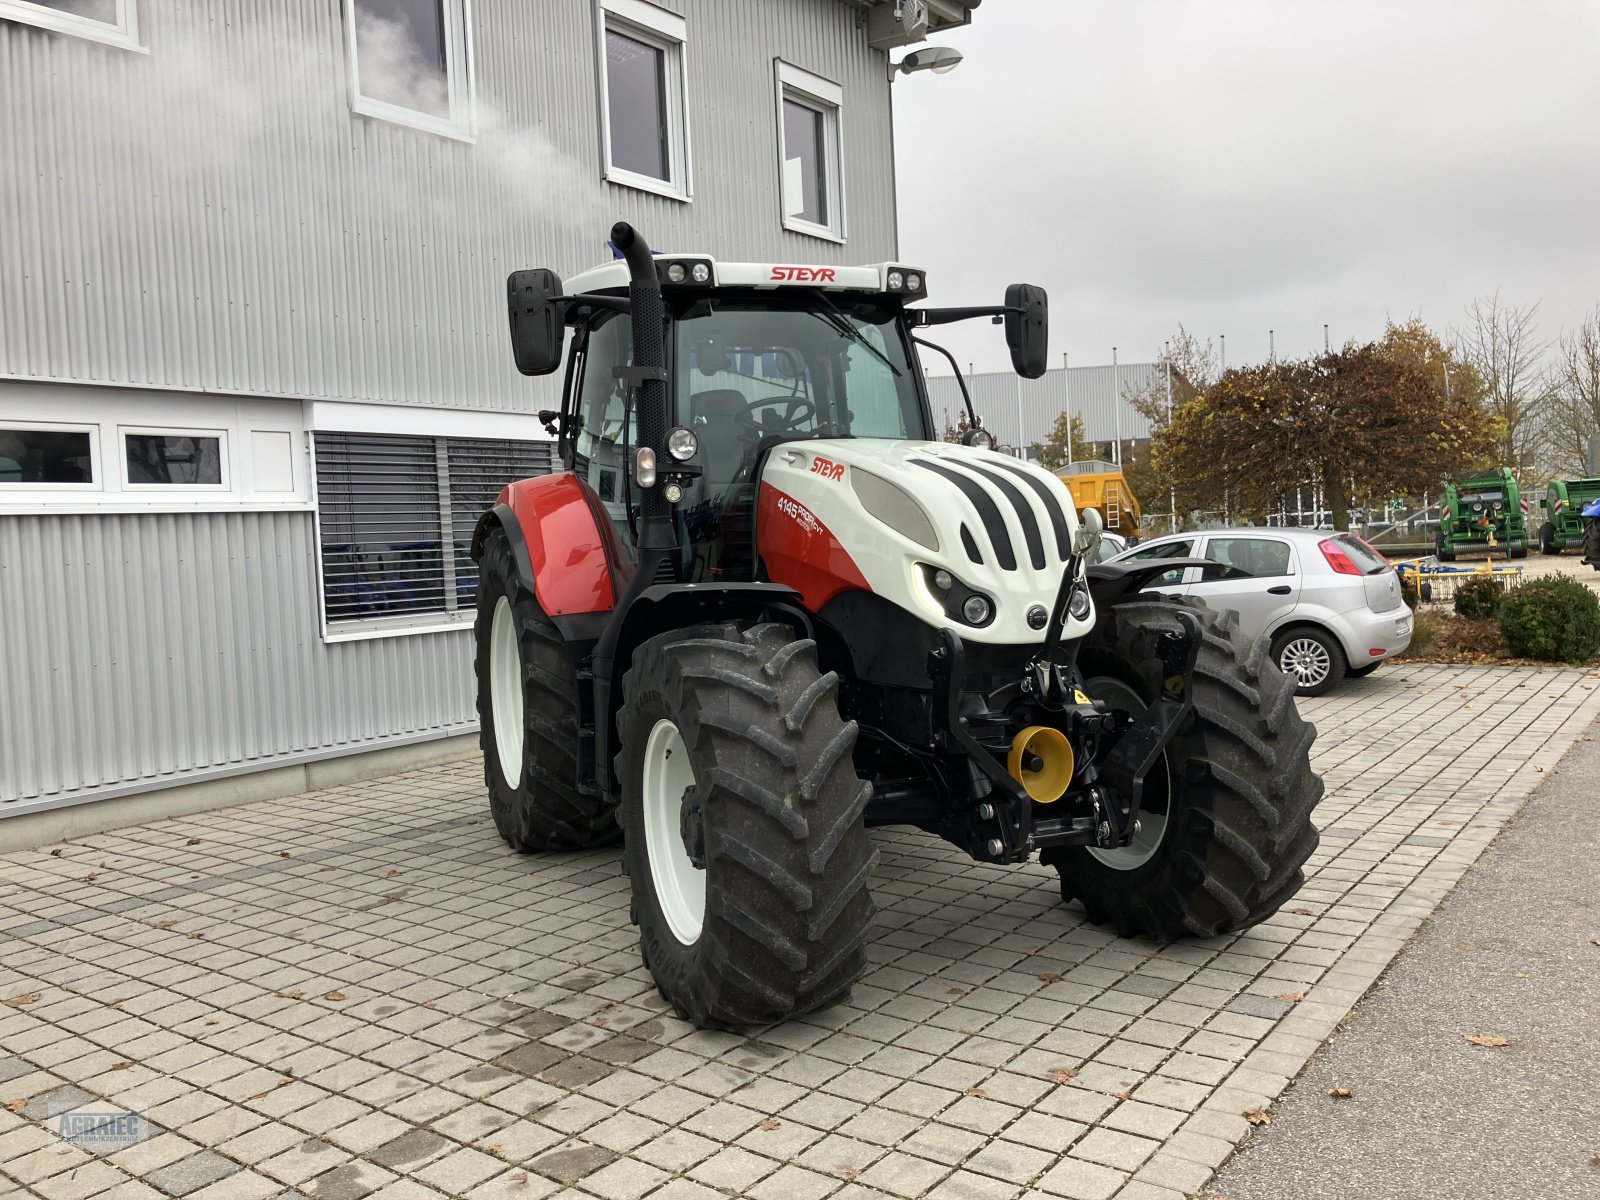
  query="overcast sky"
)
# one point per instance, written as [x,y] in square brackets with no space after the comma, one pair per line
[1241,165]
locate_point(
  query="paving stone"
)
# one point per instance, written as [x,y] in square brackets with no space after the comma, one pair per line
[573,1163]
[191,1174]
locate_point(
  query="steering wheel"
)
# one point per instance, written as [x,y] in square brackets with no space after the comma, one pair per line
[797,410]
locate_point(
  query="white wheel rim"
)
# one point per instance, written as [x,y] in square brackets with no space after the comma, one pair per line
[1307,660]
[505,691]
[1152,828]
[680,885]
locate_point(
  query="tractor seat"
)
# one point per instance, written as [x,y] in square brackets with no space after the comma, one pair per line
[727,432]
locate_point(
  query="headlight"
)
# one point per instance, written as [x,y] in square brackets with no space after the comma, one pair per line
[701,272]
[896,281]
[976,610]
[943,580]
[979,437]
[676,273]
[682,444]
[893,505]
[644,467]
[914,282]
[1078,604]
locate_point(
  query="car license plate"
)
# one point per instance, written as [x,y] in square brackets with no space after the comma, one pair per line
[1403,625]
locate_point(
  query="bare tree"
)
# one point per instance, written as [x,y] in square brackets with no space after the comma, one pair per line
[1574,415]
[1501,341]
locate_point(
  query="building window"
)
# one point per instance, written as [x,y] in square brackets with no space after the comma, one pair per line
[809,153]
[644,97]
[411,62]
[115,22]
[395,514]
[47,455]
[162,458]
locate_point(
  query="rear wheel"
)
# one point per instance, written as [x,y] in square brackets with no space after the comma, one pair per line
[1227,827]
[1441,549]
[528,718]
[745,842]
[1311,658]
[1547,539]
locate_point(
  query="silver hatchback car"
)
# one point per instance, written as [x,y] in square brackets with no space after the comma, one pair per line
[1330,603]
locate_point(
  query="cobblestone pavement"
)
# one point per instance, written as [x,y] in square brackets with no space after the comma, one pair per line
[361,992]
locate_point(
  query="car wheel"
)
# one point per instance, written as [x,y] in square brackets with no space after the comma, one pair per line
[1310,657]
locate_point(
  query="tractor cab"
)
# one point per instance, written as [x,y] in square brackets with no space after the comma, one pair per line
[761,607]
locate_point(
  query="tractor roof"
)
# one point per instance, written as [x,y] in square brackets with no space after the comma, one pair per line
[875,277]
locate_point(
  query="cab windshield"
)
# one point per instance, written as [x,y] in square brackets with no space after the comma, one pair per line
[809,363]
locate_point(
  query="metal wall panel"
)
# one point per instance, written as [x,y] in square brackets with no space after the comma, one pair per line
[210,215]
[143,648]
[1097,394]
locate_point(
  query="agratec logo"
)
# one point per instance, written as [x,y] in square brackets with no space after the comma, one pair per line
[803,274]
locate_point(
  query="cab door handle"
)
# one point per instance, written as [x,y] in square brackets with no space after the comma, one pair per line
[1283,589]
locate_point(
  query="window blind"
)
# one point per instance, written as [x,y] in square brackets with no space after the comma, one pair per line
[396,515]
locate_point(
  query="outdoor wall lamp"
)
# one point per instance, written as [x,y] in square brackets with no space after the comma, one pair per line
[938,59]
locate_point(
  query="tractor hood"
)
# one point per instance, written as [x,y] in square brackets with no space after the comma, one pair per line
[900,518]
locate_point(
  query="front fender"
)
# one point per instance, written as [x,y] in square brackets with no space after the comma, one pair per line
[562,551]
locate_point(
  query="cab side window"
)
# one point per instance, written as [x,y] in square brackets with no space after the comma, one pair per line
[602,409]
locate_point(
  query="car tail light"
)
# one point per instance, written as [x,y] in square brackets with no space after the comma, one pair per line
[1341,562]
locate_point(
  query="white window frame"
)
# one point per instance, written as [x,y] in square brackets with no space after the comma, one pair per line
[826,97]
[669,33]
[122,33]
[221,435]
[97,477]
[460,78]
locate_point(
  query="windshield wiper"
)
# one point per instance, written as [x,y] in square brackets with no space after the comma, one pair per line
[843,324]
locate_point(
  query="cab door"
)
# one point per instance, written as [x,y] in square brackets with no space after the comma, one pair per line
[1256,576]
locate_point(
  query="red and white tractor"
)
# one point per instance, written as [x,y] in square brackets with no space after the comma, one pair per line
[761,607]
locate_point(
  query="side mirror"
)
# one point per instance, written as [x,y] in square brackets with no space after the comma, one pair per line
[1028,329]
[538,323]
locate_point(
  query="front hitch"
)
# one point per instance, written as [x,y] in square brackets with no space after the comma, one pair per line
[1141,746]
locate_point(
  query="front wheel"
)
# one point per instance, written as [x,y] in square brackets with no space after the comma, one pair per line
[1226,827]
[745,841]
[528,718]
[1547,539]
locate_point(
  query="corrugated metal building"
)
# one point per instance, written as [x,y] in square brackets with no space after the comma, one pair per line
[254,380]
[1022,411]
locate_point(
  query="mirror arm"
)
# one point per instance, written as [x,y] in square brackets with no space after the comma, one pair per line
[593,300]
[944,316]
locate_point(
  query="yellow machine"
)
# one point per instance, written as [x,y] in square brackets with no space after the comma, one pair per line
[1102,485]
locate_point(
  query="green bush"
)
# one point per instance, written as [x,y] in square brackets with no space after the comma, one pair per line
[1553,619]
[1478,598]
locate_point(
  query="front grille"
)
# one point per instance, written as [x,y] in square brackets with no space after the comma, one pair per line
[998,492]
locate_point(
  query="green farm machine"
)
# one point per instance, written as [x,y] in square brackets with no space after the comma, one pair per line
[1562,509]
[1482,512]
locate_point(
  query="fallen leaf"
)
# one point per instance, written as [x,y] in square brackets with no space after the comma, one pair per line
[518,1177]
[1594,941]
[285,1081]
[1595,1159]
[1540,770]
[1469,945]
[212,1021]
[955,991]
[91,876]
[25,998]
[1487,1039]
[1050,977]
[770,1124]
[192,842]
[392,873]
[1061,1074]
[257,1096]
[103,866]
[1258,1116]
[1291,997]
[496,1150]
[1339,1093]
[117,1007]
[121,1066]
[164,924]
[849,1173]
[17,1105]
[284,854]
[1122,1095]
[1303,912]
[292,994]
[430,1005]
[335,996]
[605,1008]
[56,853]
[1519,975]
[976,1091]
[330,868]
[598,1022]
[194,937]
